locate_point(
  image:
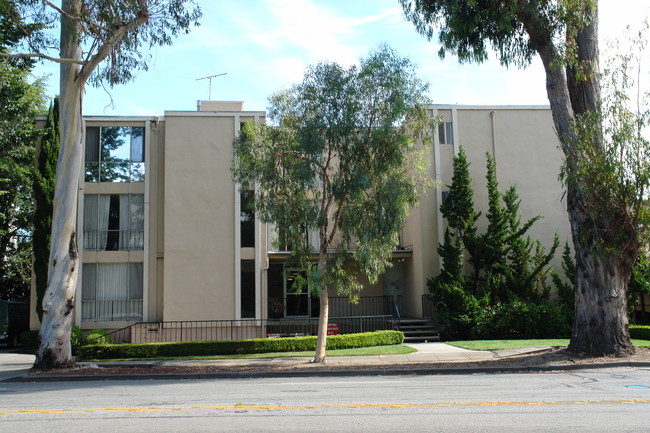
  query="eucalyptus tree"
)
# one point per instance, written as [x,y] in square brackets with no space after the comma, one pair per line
[342,156]
[100,42]
[605,194]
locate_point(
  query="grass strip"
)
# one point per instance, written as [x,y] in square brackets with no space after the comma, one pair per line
[518,344]
[396,349]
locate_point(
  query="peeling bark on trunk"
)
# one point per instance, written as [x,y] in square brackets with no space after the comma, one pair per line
[59,300]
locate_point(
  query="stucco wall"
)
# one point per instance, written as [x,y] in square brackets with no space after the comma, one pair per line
[199,221]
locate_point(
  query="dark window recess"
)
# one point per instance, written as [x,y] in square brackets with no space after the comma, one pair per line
[248,289]
[247,220]
[113,235]
[445,195]
[275,282]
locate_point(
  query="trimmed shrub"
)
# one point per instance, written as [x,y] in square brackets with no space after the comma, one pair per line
[640,332]
[97,336]
[93,336]
[520,319]
[261,345]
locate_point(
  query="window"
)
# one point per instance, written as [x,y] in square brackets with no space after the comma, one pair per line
[298,300]
[247,289]
[113,222]
[247,220]
[280,240]
[114,154]
[446,133]
[111,291]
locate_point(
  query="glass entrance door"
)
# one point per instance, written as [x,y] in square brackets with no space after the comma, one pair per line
[298,301]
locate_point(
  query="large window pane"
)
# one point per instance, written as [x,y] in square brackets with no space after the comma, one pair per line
[92,144]
[112,291]
[113,222]
[135,280]
[114,154]
[137,144]
[114,172]
[90,222]
[115,142]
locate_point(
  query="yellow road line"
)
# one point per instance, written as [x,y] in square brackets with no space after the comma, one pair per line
[243,407]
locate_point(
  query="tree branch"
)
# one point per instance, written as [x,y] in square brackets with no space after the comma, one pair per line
[106,49]
[41,56]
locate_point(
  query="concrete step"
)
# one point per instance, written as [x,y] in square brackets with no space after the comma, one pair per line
[418,330]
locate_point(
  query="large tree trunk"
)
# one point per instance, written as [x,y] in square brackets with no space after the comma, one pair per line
[323,317]
[59,300]
[600,325]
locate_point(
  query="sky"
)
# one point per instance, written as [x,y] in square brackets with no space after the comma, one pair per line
[263,46]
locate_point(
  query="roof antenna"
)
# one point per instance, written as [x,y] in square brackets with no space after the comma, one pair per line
[210,83]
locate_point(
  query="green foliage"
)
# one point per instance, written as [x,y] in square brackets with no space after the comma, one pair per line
[145,23]
[263,345]
[76,339]
[523,319]
[639,332]
[43,190]
[79,338]
[340,157]
[21,101]
[565,288]
[612,151]
[508,276]
[458,208]
[640,280]
[465,27]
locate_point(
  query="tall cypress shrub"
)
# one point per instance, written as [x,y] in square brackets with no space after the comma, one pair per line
[44,180]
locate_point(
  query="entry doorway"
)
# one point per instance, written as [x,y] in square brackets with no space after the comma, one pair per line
[393,282]
[298,302]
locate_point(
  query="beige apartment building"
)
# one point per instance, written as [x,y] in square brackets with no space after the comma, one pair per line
[165,236]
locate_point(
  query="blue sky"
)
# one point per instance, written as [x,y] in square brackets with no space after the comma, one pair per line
[265,45]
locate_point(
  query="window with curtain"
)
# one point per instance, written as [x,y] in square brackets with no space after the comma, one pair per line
[446,133]
[113,222]
[111,292]
[114,154]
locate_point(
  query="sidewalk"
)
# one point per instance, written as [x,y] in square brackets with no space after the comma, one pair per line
[426,352]
[13,365]
[430,358]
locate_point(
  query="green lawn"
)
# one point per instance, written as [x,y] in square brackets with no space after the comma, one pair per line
[396,349]
[516,344]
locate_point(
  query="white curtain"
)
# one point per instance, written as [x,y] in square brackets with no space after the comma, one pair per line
[137,221]
[104,207]
[124,222]
[112,290]
[90,222]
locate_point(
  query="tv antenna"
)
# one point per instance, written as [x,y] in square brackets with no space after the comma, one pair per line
[210,83]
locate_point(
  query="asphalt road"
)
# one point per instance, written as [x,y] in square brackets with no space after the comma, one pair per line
[615,400]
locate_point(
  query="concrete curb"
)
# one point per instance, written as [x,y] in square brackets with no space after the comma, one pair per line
[328,373]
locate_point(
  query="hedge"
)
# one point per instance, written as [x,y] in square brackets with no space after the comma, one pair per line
[640,332]
[261,345]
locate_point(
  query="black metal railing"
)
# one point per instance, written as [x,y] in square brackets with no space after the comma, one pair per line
[386,305]
[244,329]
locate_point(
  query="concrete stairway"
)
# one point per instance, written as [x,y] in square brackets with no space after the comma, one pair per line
[418,330]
